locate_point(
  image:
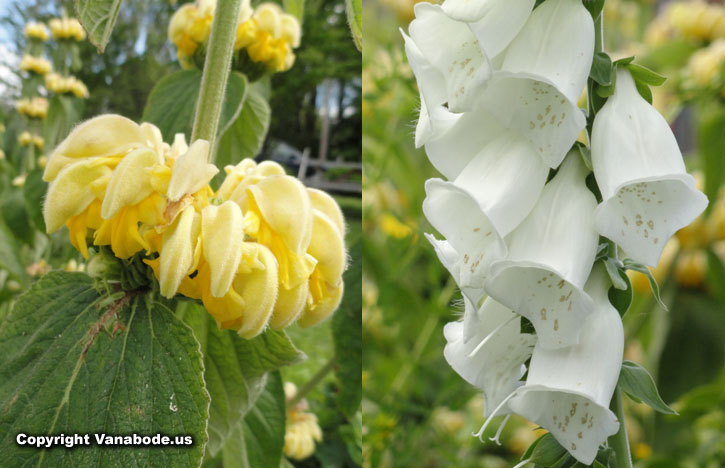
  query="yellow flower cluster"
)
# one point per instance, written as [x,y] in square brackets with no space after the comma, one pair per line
[302,430]
[267,34]
[35,108]
[25,139]
[705,65]
[697,20]
[65,84]
[66,28]
[35,30]
[37,65]
[263,250]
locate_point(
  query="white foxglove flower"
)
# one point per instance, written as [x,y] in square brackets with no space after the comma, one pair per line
[550,256]
[568,390]
[488,351]
[488,199]
[647,194]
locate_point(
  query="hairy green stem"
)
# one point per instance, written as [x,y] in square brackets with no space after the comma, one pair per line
[619,441]
[312,383]
[216,71]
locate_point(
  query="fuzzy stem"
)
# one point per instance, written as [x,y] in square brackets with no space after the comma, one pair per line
[216,71]
[619,441]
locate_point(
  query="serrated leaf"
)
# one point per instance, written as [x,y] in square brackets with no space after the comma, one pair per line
[347,337]
[547,451]
[74,361]
[354,20]
[259,439]
[632,265]
[34,192]
[636,381]
[9,259]
[172,102]
[245,136]
[235,369]
[98,18]
[645,75]
[601,70]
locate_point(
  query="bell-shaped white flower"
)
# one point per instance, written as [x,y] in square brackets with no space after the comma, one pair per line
[488,199]
[647,194]
[556,45]
[488,351]
[568,390]
[447,59]
[550,256]
[449,258]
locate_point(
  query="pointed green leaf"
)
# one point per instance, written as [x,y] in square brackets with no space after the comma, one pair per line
[632,265]
[98,18]
[645,75]
[235,369]
[636,381]
[547,451]
[601,71]
[172,102]
[75,361]
[621,299]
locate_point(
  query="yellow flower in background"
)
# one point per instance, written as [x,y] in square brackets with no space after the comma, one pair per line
[67,28]
[690,268]
[19,181]
[697,20]
[72,266]
[25,138]
[34,30]
[705,65]
[37,65]
[65,84]
[2,154]
[42,161]
[34,108]
[302,429]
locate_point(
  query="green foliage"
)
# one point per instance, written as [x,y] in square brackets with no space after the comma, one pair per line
[235,369]
[295,8]
[98,18]
[601,71]
[34,192]
[638,384]
[347,335]
[712,141]
[9,259]
[172,102]
[78,361]
[354,19]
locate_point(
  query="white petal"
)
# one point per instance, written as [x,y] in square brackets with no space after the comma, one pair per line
[495,366]
[431,83]
[549,259]
[568,390]
[457,215]
[647,194]
[452,49]
[497,26]
[434,123]
[556,43]
[452,261]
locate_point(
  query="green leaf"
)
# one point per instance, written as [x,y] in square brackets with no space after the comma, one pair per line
[601,71]
[612,266]
[636,381]
[632,265]
[624,61]
[644,91]
[235,369]
[526,326]
[354,20]
[710,142]
[75,361]
[645,75]
[295,8]
[715,275]
[586,155]
[98,17]
[347,336]
[9,259]
[621,299]
[595,7]
[245,135]
[172,102]
[530,450]
[547,451]
[258,441]
[34,192]
[15,216]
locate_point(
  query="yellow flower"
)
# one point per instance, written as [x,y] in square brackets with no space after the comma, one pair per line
[390,225]
[19,181]
[691,267]
[42,161]
[705,65]
[35,30]
[35,108]
[25,138]
[37,65]
[66,28]
[69,84]
[302,429]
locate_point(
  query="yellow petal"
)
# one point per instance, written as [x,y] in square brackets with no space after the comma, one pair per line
[70,193]
[191,171]
[259,291]
[131,181]
[316,313]
[222,236]
[290,304]
[105,135]
[177,255]
[328,247]
[322,201]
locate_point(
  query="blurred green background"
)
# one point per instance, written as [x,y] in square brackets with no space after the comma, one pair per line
[417,411]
